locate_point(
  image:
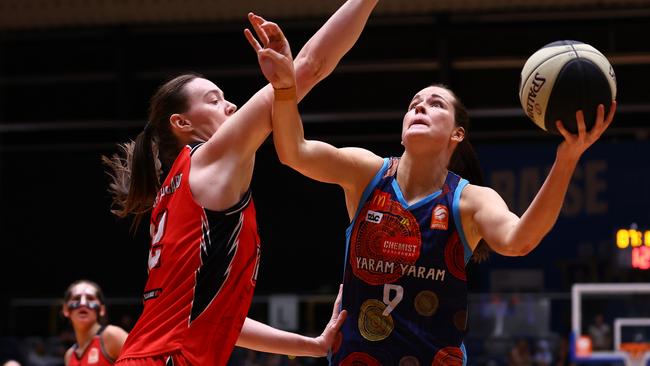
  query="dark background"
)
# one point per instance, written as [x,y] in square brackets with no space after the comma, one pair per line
[69,94]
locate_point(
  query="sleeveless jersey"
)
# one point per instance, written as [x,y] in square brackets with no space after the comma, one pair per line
[94,354]
[202,272]
[404,284]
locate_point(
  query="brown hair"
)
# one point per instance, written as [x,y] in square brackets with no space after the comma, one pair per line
[136,170]
[465,163]
[102,319]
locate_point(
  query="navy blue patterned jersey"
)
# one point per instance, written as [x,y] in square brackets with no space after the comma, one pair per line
[404,285]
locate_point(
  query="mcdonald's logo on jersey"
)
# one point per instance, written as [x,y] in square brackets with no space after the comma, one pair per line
[440,217]
[379,200]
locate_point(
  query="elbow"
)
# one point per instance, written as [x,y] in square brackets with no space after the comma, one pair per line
[284,160]
[286,157]
[525,247]
[525,250]
[309,70]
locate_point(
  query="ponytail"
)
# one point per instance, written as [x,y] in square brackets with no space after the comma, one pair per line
[137,169]
[135,177]
[464,162]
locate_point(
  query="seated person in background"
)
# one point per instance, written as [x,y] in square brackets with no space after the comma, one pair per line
[97,343]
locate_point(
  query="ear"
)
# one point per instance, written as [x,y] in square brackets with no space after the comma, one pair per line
[179,122]
[65,311]
[458,135]
[102,311]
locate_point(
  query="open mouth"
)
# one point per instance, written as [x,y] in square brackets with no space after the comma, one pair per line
[419,122]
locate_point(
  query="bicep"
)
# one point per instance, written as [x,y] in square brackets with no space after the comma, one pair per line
[242,133]
[493,219]
[348,167]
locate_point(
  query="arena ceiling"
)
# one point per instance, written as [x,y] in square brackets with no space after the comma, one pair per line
[30,14]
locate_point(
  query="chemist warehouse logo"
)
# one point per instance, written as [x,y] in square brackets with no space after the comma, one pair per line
[374,217]
[440,217]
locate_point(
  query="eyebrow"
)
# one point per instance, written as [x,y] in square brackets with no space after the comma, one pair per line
[218,92]
[431,95]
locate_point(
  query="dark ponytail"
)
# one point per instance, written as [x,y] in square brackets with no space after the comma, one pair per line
[136,170]
[464,162]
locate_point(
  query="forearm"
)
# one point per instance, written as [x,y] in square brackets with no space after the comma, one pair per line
[326,47]
[543,212]
[288,133]
[261,337]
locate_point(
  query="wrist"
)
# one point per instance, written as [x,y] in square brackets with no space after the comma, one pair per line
[285,94]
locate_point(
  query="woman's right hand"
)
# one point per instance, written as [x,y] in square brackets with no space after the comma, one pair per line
[274,54]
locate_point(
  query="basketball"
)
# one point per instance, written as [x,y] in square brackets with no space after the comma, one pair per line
[563,77]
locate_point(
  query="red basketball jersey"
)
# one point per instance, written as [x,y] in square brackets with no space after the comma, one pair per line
[202,273]
[93,355]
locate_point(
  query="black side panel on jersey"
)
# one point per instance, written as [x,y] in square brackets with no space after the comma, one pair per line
[218,248]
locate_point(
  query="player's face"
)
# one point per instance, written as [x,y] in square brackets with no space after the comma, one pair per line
[430,116]
[83,304]
[208,109]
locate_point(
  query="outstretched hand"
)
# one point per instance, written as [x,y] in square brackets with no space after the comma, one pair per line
[328,337]
[574,145]
[274,54]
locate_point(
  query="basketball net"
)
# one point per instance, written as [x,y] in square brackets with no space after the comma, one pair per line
[639,352]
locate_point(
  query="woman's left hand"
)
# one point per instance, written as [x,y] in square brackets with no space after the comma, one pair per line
[329,336]
[274,54]
[574,145]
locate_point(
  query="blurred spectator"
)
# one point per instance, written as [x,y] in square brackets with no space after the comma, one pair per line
[520,354]
[563,353]
[543,355]
[11,363]
[37,355]
[601,334]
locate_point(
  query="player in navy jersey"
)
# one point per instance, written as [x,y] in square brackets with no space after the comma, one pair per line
[414,224]
[190,170]
[97,343]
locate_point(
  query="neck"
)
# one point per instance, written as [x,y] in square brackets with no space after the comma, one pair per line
[84,335]
[420,176]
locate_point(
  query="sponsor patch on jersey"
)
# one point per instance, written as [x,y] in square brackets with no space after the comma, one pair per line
[374,217]
[440,217]
[93,355]
[151,294]
[379,201]
[377,250]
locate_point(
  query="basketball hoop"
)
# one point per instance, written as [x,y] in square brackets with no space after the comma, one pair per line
[639,352]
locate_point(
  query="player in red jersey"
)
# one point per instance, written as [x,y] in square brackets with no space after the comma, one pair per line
[205,247]
[97,343]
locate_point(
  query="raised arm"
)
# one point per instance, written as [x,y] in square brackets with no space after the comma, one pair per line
[486,215]
[226,160]
[251,125]
[352,168]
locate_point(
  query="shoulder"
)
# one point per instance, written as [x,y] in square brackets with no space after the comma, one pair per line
[473,196]
[361,155]
[68,354]
[113,338]
[362,164]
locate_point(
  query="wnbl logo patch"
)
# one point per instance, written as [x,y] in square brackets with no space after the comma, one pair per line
[440,217]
